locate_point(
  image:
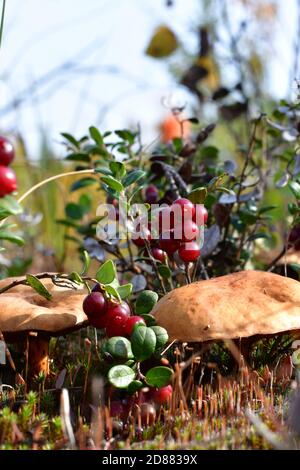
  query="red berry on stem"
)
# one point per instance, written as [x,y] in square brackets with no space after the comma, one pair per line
[162,395]
[7,152]
[8,181]
[140,241]
[190,231]
[131,323]
[201,214]
[158,254]
[151,194]
[187,207]
[189,252]
[116,318]
[167,242]
[95,308]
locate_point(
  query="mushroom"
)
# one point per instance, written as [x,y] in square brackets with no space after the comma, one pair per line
[26,315]
[239,305]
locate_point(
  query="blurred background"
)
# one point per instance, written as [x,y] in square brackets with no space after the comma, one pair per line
[69,64]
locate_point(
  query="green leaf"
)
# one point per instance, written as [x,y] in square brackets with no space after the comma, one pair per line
[9,206]
[257,236]
[209,152]
[70,139]
[112,183]
[159,376]
[85,202]
[10,237]
[75,277]
[37,285]
[126,135]
[295,188]
[134,386]
[103,171]
[119,347]
[264,209]
[96,136]
[149,319]
[82,183]
[73,211]
[118,169]
[86,262]
[133,177]
[145,301]
[125,290]
[162,336]
[164,271]
[247,217]
[113,291]
[143,342]
[121,376]
[107,273]
[216,182]
[198,195]
[78,157]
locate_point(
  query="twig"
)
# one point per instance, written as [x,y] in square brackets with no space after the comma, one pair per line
[265,432]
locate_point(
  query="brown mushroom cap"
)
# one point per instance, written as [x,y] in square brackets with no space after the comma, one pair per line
[237,305]
[22,309]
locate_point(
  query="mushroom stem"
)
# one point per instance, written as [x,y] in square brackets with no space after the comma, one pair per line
[38,357]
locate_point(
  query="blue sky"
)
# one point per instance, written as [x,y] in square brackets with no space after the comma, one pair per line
[120,85]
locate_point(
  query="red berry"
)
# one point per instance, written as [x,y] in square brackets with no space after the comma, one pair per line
[140,241]
[190,231]
[158,254]
[162,395]
[7,152]
[116,318]
[95,308]
[131,322]
[201,214]
[117,409]
[294,237]
[167,242]
[148,414]
[187,207]
[8,181]
[151,194]
[97,288]
[189,252]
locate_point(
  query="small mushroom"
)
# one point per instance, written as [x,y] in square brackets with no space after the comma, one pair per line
[27,316]
[239,305]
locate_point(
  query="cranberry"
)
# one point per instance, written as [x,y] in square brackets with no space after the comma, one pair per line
[117,409]
[8,181]
[158,254]
[169,245]
[294,237]
[7,152]
[95,308]
[130,324]
[189,252]
[140,241]
[187,207]
[116,318]
[190,231]
[151,194]
[97,288]
[148,414]
[201,214]
[162,395]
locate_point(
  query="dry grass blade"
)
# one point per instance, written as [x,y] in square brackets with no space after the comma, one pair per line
[66,419]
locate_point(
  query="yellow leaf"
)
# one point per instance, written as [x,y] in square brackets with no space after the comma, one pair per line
[163,43]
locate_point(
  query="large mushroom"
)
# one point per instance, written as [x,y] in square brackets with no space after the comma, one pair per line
[28,318]
[238,305]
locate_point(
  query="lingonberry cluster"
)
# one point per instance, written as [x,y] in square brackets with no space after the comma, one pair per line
[8,181]
[115,317]
[182,220]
